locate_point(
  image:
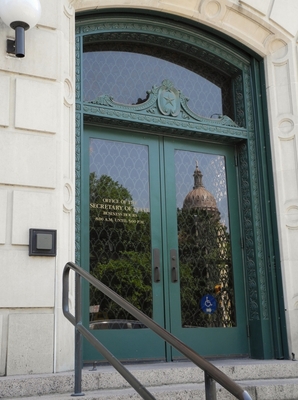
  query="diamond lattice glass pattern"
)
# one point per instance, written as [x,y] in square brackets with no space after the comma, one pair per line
[120,241]
[206,275]
[127,75]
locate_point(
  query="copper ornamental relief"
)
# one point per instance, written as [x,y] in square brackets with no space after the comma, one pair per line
[168,99]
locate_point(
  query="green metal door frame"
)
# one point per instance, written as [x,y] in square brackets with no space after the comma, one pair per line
[249,133]
[167,308]
[234,337]
[127,344]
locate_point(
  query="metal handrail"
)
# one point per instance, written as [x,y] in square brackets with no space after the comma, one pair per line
[212,373]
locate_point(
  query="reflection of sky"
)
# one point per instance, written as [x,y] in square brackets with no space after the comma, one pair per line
[127,164]
[128,76]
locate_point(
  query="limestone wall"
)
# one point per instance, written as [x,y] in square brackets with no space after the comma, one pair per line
[36,191]
[37,161]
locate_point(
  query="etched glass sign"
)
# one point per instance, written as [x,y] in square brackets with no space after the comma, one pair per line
[120,242]
[205,260]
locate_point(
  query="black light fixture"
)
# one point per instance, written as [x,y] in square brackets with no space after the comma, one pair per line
[20,15]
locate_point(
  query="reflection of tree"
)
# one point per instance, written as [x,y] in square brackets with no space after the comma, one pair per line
[106,187]
[128,276]
[120,256]
[205,267]
[119,247]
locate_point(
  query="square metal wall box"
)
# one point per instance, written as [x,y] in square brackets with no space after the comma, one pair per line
[42,242]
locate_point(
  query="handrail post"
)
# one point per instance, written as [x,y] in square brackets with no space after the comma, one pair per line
[210,387]
[78,337]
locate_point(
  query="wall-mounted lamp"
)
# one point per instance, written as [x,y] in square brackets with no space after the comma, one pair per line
[20,15]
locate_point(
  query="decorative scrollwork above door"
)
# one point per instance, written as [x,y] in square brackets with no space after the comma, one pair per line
[165,105]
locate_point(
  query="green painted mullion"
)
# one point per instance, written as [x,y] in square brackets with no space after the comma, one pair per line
[78,153]
[259,325]
[165,249]
[265,289]
[268,206]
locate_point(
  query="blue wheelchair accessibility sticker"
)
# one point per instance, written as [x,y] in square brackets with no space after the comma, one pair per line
[208,304]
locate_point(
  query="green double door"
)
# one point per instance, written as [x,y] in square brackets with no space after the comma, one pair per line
[160,226]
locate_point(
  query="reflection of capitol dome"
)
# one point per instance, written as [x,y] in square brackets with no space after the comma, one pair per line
[199,197]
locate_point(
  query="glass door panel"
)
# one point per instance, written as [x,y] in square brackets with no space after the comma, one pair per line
[122,241]
[206,290]
[120,234]
[162,230]
[204,245]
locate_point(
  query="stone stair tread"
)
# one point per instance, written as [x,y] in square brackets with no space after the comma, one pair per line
[286,389]
[178,380]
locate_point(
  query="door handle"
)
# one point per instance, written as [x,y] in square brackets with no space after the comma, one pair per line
[156,265]
[173,263]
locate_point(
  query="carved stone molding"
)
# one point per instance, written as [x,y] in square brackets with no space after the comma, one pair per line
[278,48]
[69,8]
[285,129]
[67,197]
[68,92]
[292,217]
[283,90]
[212,9]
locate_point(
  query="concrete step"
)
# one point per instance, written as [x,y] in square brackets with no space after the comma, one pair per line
[180,380]
[258,390]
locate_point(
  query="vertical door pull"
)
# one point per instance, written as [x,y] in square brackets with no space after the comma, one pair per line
[173,263]
[156,265]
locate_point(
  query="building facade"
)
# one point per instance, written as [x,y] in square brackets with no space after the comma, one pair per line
[216,88]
